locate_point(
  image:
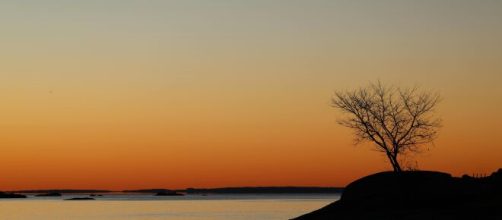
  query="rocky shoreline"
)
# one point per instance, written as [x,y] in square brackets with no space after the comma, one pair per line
[416,195]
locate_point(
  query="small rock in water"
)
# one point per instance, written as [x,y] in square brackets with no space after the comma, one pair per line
[4,195]
[81,198]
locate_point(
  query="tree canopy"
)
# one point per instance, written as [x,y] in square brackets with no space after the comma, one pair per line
[397,120]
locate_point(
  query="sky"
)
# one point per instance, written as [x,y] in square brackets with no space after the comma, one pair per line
[174,94]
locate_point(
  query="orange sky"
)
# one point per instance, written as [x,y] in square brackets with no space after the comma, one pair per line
[128,94]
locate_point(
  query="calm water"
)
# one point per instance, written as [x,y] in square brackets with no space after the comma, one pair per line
[191,207]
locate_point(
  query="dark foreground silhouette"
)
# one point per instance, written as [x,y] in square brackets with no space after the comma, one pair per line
[416,195]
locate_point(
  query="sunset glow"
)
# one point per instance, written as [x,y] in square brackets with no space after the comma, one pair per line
[171,94]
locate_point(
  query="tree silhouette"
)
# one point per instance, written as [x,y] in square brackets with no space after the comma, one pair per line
[396,120]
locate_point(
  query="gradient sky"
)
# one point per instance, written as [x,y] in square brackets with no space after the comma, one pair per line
[142,94]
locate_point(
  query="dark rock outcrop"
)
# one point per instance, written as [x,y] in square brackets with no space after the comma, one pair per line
[94,195]
[51,194]
[4,195]
[169,193]
[416,195]
[81,198]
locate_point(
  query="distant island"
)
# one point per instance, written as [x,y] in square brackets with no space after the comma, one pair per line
[156,192]
[50,194]
[266,190]
[178,192]
[149,191]
[173,193]
[246,190]
[411,195]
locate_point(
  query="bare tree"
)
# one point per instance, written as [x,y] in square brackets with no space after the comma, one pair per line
[396,120]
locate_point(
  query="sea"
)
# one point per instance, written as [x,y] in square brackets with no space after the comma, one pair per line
[150,207]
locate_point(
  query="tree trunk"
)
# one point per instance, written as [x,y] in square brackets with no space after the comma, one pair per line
[397,167]
[394,162]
